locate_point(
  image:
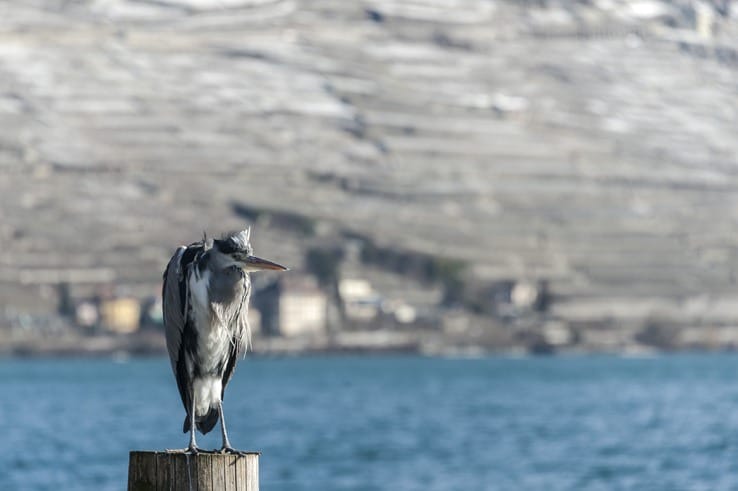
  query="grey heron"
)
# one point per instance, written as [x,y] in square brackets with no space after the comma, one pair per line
[205,302]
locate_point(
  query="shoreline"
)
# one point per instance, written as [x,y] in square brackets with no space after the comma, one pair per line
[152,344]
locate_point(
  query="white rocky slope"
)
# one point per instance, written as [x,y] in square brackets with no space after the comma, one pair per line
[591,144]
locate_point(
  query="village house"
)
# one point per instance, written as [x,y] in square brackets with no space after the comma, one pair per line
[292,306]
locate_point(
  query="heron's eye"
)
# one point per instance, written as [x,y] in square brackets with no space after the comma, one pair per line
[226,246]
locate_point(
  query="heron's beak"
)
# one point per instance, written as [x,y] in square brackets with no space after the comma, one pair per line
[253,263]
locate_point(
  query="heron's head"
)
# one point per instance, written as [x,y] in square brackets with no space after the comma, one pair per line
[237,248]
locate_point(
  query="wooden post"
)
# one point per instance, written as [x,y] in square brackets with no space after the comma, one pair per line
[177,471]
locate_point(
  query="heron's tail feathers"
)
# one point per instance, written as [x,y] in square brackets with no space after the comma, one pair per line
[204,423]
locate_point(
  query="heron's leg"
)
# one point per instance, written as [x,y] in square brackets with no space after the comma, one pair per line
[226,444]
[192,448]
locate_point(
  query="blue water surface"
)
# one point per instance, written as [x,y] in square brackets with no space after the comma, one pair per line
[390,423]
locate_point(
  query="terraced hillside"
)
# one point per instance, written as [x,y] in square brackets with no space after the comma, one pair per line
[592,143]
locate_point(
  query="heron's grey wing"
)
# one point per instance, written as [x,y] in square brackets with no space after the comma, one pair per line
[176,320]
[173,305]
[229,368]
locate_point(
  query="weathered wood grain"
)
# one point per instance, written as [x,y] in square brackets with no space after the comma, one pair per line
[164,466]
[142,473]
[175,471]
[230,474]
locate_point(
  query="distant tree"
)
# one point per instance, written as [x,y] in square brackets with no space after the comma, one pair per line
[65,305]
[658,333]
[325,264]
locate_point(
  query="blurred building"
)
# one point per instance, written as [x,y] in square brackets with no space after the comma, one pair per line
[87,314]
[121,315]
[361,302]
[292,306]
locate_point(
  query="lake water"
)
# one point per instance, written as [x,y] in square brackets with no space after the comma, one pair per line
[400,423]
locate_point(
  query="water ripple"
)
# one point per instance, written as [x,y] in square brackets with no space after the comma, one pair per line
[404,424]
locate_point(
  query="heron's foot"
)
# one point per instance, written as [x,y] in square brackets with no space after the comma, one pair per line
[193,450]
[177,450]
[227,449]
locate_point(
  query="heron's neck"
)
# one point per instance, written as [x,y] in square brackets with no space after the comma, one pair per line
[226,284]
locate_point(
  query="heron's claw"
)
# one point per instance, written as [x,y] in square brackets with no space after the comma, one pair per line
[230,450]
[177,450]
